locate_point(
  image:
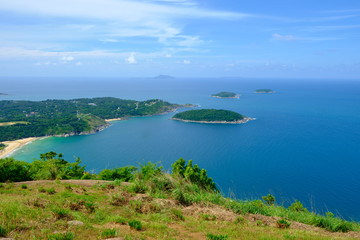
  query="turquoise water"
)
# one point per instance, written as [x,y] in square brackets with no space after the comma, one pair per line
[304,143]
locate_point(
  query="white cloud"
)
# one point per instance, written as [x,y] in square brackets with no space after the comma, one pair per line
[187,62]
[78,64]
[67,59]
[131,59]
[279,37]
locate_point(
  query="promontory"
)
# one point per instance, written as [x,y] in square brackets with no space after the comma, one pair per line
[226,95]
[211,116]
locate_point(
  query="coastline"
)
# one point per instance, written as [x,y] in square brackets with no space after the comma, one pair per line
[11,146]
[244,120]
[236,96]
[114,119]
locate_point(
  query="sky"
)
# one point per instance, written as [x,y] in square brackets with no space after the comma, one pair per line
[182,38]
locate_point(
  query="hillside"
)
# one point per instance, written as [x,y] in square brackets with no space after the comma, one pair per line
[145,203]
[59,117]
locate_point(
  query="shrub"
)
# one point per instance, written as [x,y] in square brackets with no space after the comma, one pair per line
[177,214]
[41,189]
[1,185]
[297,207]
[61,236]
[3,231]
[124,174]
[135,224]
[208,217]
[138,186]
[120,220]
[108,233]
[239,220]
[269,199]
[50,191]
[60,213]
[210,236]
[282,224]
[14,171]
[23,186]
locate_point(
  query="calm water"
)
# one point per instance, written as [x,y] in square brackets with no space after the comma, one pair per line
[304,143]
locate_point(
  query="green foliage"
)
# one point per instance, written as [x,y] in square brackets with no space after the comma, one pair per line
[54,117]
[209,115]
[149,170]
[2,146]
[120,220]
[208,217]
[108,233]
[297,207]
[177,214]
[60,213]
[264,90]
[210,236]
[123,174]
[193,174]
[3,231]
[135,224]
[23,186]
[239,220]
[282,223]
[61,236]
[50,191]
[269,199]
[41,189]
[15,171]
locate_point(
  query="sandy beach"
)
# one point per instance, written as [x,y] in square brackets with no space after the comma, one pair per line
[114,119]
[13,145]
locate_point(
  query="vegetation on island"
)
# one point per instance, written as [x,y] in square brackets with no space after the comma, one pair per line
[3,94]
[144,202]
[265,90]
[58,117]
[209,115]
[2,146]
[225,95]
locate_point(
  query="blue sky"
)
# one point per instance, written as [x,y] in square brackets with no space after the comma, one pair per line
[183,38]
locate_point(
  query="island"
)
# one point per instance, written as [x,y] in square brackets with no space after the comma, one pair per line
[25,119]
[226,95]
[3,94]
[264,91]
[211,116]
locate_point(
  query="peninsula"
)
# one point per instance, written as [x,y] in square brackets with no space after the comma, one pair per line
[24,119]
[226,95]
[211,116]
[264,91]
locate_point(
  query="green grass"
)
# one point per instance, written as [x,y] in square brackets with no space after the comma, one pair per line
[135,224]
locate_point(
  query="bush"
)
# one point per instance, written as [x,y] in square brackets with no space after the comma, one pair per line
[51,191]
[120,220]
[282,224]
[60,213]
[23,186]
[61,236]
[108,233]
[123,174]
[41,189]
[14,171]
[269,199]
[135,224]
[297,207]
[3,231]
[239,220]
[210,236]
[177,214]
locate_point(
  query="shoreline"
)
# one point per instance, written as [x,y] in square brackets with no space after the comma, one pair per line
[12,146]
[244,120]
[115,119]
[237,96]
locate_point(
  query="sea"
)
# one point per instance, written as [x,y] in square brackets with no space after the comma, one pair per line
[304,143]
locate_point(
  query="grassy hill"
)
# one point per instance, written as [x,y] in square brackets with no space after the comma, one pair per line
[145,202]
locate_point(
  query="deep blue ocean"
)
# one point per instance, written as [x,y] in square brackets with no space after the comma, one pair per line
[304,143]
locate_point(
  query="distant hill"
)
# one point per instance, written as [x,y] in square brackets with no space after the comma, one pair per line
[226,95]
[164,77]
[265,90]
[211,116]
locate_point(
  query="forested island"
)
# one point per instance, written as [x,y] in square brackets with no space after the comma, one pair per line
[265,90]
[22,119]
[3,94]
[226,95]
[211,116]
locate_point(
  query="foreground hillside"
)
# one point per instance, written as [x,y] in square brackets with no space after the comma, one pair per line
[145,203]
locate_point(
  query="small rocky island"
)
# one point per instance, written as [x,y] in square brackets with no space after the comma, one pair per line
[226,95]
[265,90]
[211,116]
